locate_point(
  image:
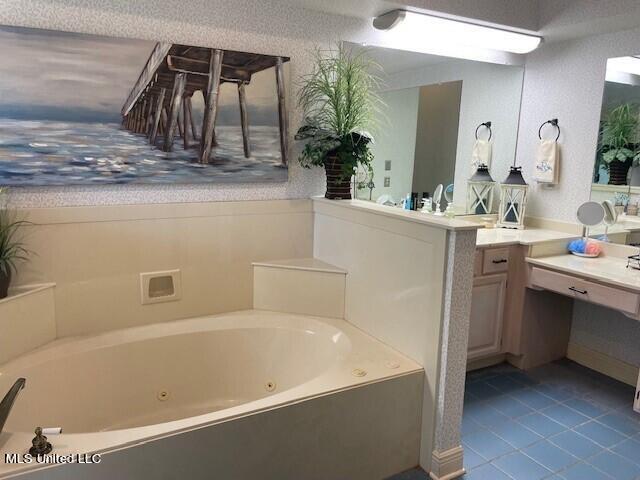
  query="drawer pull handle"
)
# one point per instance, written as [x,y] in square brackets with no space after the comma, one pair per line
[581,292]
[501,260]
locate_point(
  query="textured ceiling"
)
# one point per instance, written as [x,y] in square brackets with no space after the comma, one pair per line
[521,14]
[554,19]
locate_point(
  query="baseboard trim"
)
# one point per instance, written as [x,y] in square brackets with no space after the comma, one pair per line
[476,364]
[605,364]
[447,465]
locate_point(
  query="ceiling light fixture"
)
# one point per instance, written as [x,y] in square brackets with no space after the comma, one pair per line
[624,64]
[418,27]
[624,70]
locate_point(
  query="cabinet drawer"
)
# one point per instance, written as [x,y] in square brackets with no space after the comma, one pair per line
[585,290]
[495,260]
[477,265]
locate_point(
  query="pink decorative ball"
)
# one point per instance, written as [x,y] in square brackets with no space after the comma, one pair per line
[592,248]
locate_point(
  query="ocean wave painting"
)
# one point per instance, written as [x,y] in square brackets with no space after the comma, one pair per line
[81,109]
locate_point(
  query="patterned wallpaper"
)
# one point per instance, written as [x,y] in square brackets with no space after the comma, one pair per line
[270,28]
[565,81]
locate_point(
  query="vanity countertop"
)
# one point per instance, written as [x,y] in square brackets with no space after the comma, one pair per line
[438,221]
[630,223]
[501,237]
[606,269]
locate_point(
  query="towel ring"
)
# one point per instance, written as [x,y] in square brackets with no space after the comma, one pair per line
[554,122]
[488,126]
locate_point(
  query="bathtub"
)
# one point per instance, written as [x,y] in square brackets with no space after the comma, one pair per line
[219,394]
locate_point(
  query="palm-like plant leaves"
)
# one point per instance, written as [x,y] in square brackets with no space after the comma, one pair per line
[619,133]
[12,250]
[340,104]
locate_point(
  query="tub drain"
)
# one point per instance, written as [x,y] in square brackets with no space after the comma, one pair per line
[358,372]
[270,386]
[163,395]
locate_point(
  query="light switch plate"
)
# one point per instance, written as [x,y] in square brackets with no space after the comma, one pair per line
[387,165]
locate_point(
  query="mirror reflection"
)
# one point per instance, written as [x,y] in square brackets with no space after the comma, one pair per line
[442,117]
[616,173]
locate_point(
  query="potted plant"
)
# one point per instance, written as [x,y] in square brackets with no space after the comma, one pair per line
[340,104]
[12,249]
[618,142]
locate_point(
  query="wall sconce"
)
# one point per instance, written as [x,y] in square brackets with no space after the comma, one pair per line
[480,189]
[513,200]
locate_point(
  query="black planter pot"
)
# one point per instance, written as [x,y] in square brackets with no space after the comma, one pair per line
[338,186]
[618,172]
[5,280]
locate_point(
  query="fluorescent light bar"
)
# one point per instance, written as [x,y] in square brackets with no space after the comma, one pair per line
[624,65]
[418,27]
[624,70]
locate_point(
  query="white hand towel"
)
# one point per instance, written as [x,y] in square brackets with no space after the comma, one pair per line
[547,162]
[481,154]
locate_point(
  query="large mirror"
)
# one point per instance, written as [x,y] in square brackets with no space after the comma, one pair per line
[441,117]
[616,173]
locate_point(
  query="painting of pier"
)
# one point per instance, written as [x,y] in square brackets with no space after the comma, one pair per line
[80,109]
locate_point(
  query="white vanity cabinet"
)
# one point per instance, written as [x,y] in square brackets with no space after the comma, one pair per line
[487,313]
[511,319]
[488,303]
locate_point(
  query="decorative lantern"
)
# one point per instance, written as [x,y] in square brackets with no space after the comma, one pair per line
[480,192]
[513,200]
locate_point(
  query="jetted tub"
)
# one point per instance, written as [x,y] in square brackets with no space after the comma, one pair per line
[124,388]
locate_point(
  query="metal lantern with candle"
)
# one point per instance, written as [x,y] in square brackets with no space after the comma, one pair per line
[480,189]
[513,200]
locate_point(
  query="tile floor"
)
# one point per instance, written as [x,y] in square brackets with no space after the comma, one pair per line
[558,421]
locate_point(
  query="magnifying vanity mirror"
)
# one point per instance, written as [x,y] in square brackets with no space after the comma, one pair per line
[590,214]
[441,117]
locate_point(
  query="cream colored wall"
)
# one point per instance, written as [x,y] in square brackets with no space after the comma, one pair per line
[27,320]
[95,256]
[395,141]
[394,286]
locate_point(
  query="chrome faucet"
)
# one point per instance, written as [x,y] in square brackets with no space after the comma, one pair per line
[9,399]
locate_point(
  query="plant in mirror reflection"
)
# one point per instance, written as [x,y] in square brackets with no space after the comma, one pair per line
[619,135]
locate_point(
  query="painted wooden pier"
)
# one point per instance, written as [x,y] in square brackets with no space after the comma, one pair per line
[160,104]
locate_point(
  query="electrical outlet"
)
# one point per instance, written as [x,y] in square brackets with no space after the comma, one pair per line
[387,165]
[387,181]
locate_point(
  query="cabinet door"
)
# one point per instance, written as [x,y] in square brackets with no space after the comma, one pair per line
[487,311]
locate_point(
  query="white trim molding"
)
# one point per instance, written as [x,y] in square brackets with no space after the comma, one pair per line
[605,364]
[448,464]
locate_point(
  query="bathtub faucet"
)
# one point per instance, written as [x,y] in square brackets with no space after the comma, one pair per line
[8,400]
